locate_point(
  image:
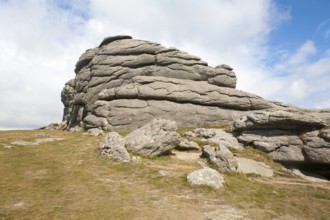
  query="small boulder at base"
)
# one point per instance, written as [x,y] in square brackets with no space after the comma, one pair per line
[206,176]
[56,126]
[113,147]
[95,132]
[186,145]
[221,157]
[156,138]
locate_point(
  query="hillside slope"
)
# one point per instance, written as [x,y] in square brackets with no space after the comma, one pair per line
[60,175]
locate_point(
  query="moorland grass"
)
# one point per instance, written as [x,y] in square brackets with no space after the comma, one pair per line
[67,179]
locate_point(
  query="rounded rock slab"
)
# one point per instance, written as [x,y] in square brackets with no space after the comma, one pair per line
[206,176]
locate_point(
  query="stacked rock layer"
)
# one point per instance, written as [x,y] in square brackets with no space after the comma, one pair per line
[124,83]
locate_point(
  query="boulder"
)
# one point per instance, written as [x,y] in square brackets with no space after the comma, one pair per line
[113,147]
[250,166]
[76,129]
[221,157]
[56,126]
[155,138]
[206,176]
[95,132]
[216,136]
[186,145]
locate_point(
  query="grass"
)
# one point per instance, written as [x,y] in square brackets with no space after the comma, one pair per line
[67,179]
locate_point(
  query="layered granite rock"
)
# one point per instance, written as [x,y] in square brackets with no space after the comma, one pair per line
[317,146]
[280,119]
[299,138]
[125,83]
[215,136]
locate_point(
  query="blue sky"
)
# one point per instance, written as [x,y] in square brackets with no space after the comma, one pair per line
[309,20]
[279,49]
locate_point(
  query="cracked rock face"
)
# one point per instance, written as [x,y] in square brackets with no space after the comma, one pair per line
[221,157]
[125,83]
[317,146]
[293,138]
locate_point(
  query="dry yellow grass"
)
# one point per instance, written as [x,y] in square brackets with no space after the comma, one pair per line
[67,179]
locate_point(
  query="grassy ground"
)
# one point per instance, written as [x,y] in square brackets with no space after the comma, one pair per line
[67,179]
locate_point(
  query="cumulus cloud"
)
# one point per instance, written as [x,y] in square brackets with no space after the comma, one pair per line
[303,77]
[42,39]
[38,56]
[324,28]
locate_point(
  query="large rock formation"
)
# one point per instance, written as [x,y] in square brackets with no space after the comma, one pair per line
[124,83]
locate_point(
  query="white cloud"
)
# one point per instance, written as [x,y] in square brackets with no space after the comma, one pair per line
[219,32]
[324,28]
[303,77]
[303,53]
[37,57]
[297,89]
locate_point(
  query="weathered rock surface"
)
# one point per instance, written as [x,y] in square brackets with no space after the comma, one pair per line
[216,136]
[288,137]
[155,138]
[281,120]
[206,176]
[317,146]
[221,157]
[113,147]
[95,132]
[281,145]
[186,145]
[250,166]
[125,80]
[56,126]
